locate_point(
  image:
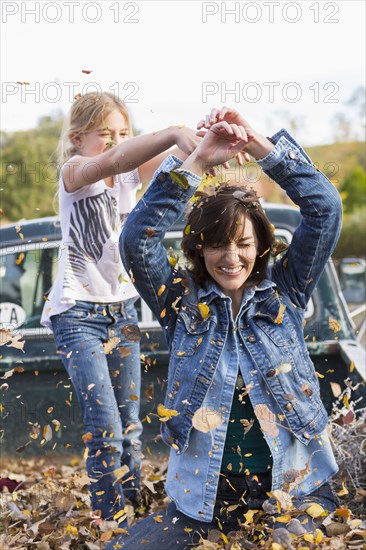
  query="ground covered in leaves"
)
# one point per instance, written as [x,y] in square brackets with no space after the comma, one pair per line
[45,504]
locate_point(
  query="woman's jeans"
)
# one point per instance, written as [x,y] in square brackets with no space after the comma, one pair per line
[104,367]
[173,530]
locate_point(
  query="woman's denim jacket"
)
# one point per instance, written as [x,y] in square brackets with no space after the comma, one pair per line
[265,343]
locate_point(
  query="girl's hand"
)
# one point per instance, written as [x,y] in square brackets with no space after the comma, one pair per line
[232,117]
[186,139]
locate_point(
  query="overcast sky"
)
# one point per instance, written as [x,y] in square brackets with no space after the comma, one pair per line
[171,61]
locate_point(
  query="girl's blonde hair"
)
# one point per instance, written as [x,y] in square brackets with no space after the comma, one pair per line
[88,113]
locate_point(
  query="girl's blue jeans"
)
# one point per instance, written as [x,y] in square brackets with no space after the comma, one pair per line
[107,383]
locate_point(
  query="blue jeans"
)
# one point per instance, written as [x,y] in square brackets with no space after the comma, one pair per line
[107,384]
[176,531]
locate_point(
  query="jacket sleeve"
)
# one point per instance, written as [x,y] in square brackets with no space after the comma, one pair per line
[141,243]
[314,240]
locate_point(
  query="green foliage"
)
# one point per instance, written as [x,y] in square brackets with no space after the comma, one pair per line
[352,240]
[29,174]
[353,189]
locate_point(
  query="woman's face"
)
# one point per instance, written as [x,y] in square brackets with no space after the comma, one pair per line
[231,264]
[113,132]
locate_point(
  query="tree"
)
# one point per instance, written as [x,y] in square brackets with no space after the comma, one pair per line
[353,189]
[29,173]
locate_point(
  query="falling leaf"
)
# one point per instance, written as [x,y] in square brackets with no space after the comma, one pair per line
[163,313]
[47,432]
[285,368]
[158,519]
[336,389]
[206,419]
[150,232]
[88,436]
[132,333]
[280,314]
[11,340]
[161,290]
[267,420]
[85,71]
[334,325]
[166,414]
[90,386]
[187,229]
[111,344]
[204,310]
[134,397]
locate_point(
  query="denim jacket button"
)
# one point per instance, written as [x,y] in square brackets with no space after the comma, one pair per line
[306,435]
[162,177]
[292,154]
[289,407]
[271,372]
[251,338]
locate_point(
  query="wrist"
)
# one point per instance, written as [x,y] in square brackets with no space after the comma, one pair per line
[194,163]
[259,147]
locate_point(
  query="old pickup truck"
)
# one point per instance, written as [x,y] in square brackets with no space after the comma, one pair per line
[39,409]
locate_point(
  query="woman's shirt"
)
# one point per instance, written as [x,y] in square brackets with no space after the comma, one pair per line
[89,263]
[246,450]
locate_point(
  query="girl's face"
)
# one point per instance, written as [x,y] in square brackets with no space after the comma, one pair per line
[231,264]
[113,132]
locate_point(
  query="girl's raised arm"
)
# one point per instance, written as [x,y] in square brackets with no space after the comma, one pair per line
[126,156]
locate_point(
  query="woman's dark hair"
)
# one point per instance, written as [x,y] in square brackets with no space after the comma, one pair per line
[214,219]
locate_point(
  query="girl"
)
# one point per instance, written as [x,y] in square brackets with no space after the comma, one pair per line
[243,415]
[91,306]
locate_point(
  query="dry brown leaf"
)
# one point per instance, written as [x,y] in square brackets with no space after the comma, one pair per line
[267,420]
[206,419]
[11,340]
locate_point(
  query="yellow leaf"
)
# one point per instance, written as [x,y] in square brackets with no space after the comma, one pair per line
[352,366]
[284,519]
[120,513]
[319,536]
[315,510]
[163,313]
[166,414]
[187,229]
[224,538]
[161,290]
[173,261]
[309,537]
[72,530]
[158,519]
[343,491]
[280,315]
[204,310]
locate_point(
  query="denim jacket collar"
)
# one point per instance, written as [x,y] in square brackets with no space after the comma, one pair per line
[209,291]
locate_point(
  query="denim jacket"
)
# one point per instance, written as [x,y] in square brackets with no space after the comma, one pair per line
[265,343]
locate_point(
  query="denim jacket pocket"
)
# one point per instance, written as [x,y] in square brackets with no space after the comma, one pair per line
[190,333]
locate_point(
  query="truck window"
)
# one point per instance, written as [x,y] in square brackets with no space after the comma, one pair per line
[26,276]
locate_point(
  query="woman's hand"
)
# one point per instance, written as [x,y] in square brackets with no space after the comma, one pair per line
[232,117]
[222,142]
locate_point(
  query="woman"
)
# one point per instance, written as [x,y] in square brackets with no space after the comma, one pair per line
[91,306]
[243,415]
